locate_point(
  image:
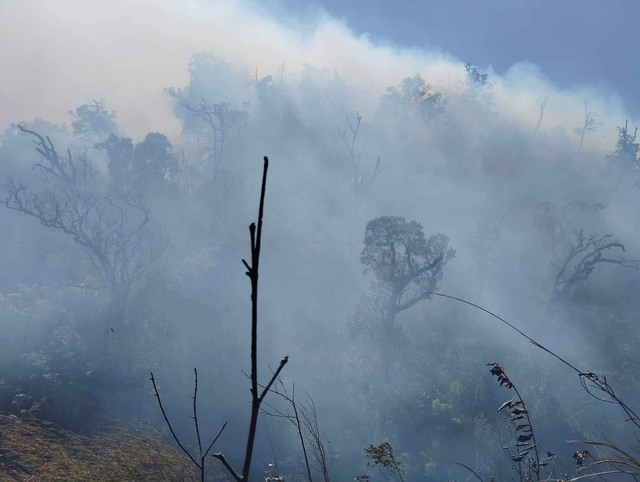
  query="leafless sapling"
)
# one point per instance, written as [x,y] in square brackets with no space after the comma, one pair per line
[200,460]
[257,393]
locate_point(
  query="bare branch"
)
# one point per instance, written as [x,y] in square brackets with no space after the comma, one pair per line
[166,419]
[228,466]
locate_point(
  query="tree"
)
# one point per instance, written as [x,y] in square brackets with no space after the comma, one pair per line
[154,164]
[212,133]
[584,255]
[625,156]
[407,268]
[360,182]
[589,124]
[416,94]
[113,232]
[93,118]
[120,153]
[479,86]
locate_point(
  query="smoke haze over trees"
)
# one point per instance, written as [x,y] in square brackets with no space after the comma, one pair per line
[130,153]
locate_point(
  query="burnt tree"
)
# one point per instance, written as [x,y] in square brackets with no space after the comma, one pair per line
[114,232]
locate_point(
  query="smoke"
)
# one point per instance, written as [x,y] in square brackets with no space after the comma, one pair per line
[63,54]
[478,168]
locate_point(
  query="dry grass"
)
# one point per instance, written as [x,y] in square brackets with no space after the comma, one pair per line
[33,451]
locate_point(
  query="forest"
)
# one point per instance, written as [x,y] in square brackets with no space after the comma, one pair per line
[449,269]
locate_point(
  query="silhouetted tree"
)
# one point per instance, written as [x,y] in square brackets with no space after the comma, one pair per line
[416,94]
[154,164]
[589,124]
[120,153]
[625,157]
[93,118]
[114,233]
[407,268]
[582,258]
[407,265]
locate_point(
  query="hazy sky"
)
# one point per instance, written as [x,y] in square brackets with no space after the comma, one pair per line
[59,56]
[573,41]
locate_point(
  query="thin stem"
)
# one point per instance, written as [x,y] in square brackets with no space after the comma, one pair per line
[166,419]
[195,410]
[513,327]
[224,425]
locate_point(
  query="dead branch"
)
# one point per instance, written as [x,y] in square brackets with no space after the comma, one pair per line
[202,455]
[585,254]
[57,166]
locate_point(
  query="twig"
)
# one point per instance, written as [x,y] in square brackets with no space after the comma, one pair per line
[166,419]
[599,382]
[469,469]
[203,455]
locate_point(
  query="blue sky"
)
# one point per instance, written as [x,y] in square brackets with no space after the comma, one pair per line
[573,41]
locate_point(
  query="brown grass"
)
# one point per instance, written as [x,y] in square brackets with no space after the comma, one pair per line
[33,451]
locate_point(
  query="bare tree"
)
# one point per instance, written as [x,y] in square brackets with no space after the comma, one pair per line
[114,233]
[360,182]
[219,120]
[590,124]
[584,255]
